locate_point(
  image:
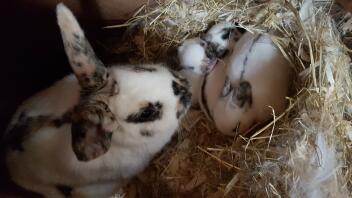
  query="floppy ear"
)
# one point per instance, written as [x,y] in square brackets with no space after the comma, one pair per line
[91,130]
[88,69]
[89,140]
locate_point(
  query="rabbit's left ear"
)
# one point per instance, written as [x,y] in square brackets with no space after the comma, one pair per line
[91,130]
[89,70]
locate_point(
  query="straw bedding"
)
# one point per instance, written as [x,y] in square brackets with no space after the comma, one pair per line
[304,152]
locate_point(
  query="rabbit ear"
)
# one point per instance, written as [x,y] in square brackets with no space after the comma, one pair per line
[88,69]
[92,126]
[89,140]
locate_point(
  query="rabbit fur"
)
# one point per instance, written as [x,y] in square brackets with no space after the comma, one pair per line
[91,131]
[198,56]
[245,87]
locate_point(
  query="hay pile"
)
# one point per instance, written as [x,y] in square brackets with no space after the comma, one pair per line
[305,152]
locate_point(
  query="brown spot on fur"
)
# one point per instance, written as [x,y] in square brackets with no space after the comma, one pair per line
[28,125]
[180,79]
[243,95]
[148,113]
[89,140]
[180,87]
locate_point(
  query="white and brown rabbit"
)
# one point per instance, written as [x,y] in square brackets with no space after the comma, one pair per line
[198,56]
[90,132]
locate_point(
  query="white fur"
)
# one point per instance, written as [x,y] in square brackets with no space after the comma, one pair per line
[48,158]
[194,62]
[192,55]
[268,73]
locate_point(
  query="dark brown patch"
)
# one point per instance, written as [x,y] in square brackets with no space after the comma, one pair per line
[89,140]
[180,78]
[146,133]
[243,94]
[214,50]
[179,89]
[27,125]
[59,122]
[183,92]
[92,126]
[148,113]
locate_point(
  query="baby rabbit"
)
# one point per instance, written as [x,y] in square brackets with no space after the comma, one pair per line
[198,56]
[90,132]
[246,89]
[195,63]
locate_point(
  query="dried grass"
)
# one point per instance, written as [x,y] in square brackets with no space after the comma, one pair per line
[284,158]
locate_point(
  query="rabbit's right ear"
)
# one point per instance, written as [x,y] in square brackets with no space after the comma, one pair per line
[88,69]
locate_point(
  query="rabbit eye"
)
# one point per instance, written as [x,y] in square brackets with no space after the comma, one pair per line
[227,33]
[148,113]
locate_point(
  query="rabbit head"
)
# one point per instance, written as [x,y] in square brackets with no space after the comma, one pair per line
[139,100]
[192,56]
[218,38]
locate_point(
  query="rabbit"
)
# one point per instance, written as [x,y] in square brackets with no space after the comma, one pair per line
[245,88]
[194,63]
[90,132]
[198,56]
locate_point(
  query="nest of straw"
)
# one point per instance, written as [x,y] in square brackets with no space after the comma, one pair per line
[279,159]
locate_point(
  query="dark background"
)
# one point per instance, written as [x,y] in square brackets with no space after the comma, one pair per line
[32,58]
